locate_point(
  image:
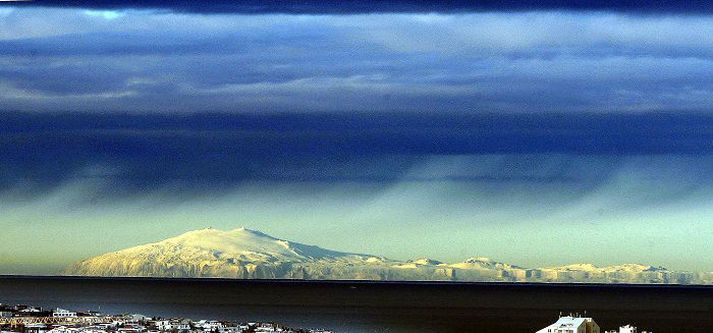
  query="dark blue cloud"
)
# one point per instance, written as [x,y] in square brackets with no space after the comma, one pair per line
[391,6]
[210,153]
[152,62]
[503,62]
[129,43]
[147,101]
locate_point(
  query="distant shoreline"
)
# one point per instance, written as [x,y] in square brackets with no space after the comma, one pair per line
[358,282]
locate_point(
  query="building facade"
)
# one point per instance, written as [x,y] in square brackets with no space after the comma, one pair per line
[572,324]
[62,313]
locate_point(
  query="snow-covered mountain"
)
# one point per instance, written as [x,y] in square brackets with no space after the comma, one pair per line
[249,254]
[240,253]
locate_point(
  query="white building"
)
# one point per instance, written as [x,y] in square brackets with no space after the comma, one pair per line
[31,310]
[570,324]
[62,313]
[63,329]
[209,325]
[230,329]
[131,328]
[91,330]
[170,325]
[36,328]
[137,318]
[627,329]
[106,326]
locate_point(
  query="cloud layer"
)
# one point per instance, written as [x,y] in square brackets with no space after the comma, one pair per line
[203,153]
[446,134]
[146,61]
[402,6]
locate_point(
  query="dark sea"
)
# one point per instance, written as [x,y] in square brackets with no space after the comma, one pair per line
[356,306]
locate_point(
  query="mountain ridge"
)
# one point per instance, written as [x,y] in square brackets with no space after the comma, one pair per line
[250,254]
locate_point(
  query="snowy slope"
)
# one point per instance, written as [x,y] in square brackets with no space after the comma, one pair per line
[249,254]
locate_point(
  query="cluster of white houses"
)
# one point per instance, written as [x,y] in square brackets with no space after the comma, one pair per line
[29,319]
[579,324]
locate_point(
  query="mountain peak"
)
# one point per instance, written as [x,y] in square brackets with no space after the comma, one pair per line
[210,232]
[245,230]
[213,252]
[244,253]
[427,261]
[473,260]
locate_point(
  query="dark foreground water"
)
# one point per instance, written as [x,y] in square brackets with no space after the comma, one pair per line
[377,306]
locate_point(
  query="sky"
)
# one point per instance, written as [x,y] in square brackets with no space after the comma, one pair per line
[537,134]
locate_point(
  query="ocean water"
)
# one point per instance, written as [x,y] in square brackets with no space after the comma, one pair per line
[352,306]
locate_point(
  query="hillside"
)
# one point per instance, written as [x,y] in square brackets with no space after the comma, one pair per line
[249,254]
